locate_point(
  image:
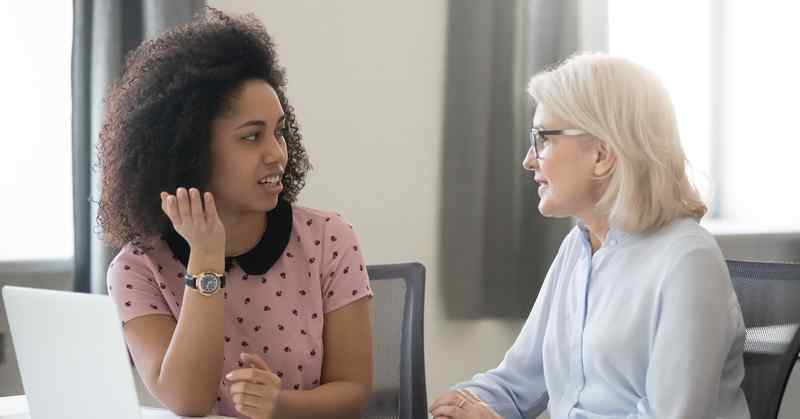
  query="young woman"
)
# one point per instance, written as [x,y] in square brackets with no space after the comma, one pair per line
[637,317]
[233,300]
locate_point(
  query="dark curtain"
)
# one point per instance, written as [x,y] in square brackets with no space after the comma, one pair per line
[104,31]
[495,246]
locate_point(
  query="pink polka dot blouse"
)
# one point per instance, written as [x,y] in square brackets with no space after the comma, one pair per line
[307,264]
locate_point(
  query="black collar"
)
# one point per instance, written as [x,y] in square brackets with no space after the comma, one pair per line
[257,260]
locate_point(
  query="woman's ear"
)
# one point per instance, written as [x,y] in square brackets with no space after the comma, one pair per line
[605,160]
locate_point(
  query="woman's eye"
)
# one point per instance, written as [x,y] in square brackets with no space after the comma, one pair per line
[251,137]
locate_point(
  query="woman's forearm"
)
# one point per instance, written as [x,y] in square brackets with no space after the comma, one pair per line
[334,400]
[191,370]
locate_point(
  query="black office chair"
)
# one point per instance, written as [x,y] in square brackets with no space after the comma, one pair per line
[769,294]
[398,382]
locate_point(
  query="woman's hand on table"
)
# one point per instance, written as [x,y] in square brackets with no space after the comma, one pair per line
[461,404]
[254,390]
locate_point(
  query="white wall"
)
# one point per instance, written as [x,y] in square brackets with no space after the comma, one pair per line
[367,80]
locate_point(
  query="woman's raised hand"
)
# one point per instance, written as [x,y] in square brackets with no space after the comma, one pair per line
[195,218]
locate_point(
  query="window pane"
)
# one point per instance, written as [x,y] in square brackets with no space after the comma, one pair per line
[673,39]
[754,148]
[761,147]
[36,174]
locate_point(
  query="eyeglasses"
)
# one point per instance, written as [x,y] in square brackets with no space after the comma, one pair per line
[539,138]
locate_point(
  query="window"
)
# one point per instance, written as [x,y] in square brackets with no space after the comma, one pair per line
[732,74]
[645,32]
[36,174]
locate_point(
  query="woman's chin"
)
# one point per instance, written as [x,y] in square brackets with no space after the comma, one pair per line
[265,204]
[270,204]
[544,209]
[549,211]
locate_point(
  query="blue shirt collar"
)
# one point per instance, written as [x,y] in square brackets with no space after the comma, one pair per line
[614,237]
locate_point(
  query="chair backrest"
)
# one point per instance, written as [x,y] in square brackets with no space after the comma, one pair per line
[769,294]
[398,348]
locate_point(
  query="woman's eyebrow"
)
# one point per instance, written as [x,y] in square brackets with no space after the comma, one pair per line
[260,123]
[255,123]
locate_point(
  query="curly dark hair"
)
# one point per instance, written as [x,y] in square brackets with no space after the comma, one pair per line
[157,130]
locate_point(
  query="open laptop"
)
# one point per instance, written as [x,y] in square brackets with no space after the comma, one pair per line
[72,356]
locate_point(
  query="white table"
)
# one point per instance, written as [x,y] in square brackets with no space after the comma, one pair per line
[16,407]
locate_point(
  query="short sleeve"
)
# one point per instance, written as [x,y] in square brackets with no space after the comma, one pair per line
[133,287]
[344,274]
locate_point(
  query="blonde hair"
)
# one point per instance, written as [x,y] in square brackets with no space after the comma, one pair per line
[626,106]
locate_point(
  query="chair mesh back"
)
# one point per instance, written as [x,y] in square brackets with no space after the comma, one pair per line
[387,320]
[769,294]
[398,380]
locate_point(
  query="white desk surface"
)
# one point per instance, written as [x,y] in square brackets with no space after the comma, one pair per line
[16,407]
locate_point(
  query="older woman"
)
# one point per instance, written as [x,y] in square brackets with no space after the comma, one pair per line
[637,317]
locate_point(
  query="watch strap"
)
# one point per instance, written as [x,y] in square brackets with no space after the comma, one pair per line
[191,280]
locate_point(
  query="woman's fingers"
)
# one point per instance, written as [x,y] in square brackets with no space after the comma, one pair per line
[255,361]
[448,398]
[194,216]
[247,399]
[189,206]
[252,412]
[198,214]
[447,411]
[462,403]
[253,375]
[250,397]
[260,369]
[184,208]
[246,387]
[470,396]
[211,207]
[164,206]
[172,210]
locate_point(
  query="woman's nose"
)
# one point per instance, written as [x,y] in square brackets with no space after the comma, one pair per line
[530,162]
[273,152]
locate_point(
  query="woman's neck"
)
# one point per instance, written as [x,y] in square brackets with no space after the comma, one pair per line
[598,230]
[243,231]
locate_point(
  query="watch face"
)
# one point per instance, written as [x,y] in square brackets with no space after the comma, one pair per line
[208,283]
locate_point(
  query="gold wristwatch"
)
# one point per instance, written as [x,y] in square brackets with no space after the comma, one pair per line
[206,283]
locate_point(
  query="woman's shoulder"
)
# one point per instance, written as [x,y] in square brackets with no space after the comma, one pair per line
[684,248]
[151,246]
[143,254]
[684,235]
[325,218]
[313,212]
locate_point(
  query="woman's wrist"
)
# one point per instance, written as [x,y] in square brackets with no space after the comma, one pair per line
[205,260]
[280,405]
